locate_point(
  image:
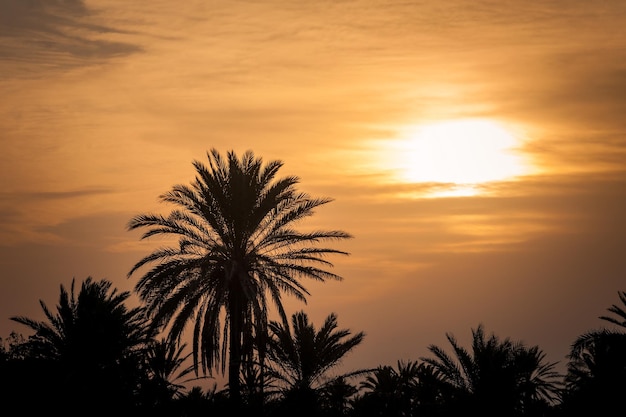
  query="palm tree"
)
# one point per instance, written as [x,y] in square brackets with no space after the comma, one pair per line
[392,391]
[301,360]
[497,377]
[596,371]
[92,345]
[336,396]
[96,323]
[237,246]
[620,320]
[381,396]
[165,361]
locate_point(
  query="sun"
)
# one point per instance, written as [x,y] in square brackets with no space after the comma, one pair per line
[462,154]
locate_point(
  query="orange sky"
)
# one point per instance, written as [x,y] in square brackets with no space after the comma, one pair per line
[104,105]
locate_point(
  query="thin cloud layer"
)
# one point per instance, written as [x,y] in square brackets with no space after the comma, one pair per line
[46,35]
[106,104]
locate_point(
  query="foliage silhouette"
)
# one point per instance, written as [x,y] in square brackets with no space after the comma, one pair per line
[596,371]
[336,396]
[618,311]
[496,377]
[166,370]
[236,246]
[299,361]
[389,391]
[89,349]
[409,389]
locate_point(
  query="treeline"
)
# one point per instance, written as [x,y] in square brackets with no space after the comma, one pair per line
[93,355]
[237,252]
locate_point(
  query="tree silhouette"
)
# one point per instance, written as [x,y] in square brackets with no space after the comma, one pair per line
[336,395]
[199,403]
[90,347]
[166,368]
[401,391]
[618,311]
[497,377]
[596,372]
[300,360]
[236,246]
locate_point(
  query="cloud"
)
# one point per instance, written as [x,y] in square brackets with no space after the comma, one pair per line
[53,34]
[35,216]
[55,195]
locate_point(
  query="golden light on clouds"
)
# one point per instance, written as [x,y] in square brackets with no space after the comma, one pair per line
[461,155]
[394,109]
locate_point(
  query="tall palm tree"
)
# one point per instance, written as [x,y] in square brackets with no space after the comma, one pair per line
[92,344]
[237,247]
[497,377]
[301,360]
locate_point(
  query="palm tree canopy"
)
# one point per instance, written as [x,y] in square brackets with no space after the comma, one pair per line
[165,360]
[597,356]
[94,324]
[494,368]
[302,358]
[619,313]
[237,245]
[90,350]
[393,391]
[596,373]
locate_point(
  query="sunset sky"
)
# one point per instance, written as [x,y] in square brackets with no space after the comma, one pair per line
[475,150]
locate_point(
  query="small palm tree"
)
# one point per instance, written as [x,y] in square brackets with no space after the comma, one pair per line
[596,371]
[93,344]
[237,247]
[166,368]
[336,396]
[391,391]
[497,377]
[95,323]
[300,361]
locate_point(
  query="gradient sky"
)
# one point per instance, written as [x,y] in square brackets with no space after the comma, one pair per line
[105,104]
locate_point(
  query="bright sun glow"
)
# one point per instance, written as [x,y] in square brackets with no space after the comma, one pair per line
[460,153]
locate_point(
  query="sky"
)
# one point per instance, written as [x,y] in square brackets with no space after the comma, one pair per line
[476,151]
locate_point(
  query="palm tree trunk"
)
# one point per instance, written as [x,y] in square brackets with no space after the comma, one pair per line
[261,346]
[234,360]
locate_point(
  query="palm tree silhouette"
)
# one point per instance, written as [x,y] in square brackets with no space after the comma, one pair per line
[497,377]
[237,246]
[166,368]
[392,391]
[618,311]
[92,345]
[596,372]
[336,397]
[300,361]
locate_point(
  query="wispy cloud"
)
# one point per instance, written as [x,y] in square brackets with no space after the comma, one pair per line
[42,196]
[34,216]
[49,34]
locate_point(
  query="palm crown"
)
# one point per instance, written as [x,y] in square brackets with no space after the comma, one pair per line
[236,245]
